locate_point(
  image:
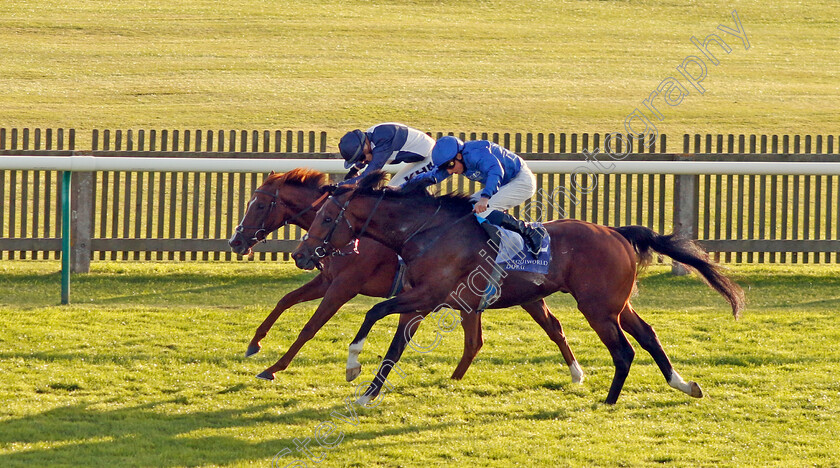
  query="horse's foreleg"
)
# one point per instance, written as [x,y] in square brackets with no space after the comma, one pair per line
[403,303]
[338,294]
[405,331]
[354,367]
[644,334]
[473,341]
[541,314]
[309,291]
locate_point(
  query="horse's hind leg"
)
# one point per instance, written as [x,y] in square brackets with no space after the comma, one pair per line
[606,326]
[644,334]
[542,315]
[473,341]
[309,291]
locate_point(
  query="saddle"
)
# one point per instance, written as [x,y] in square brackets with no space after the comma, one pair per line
[512,255]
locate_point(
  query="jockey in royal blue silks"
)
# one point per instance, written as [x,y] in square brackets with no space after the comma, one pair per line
[387,143]
[507,181]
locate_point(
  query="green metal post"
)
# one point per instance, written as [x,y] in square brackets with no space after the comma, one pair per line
[65,238]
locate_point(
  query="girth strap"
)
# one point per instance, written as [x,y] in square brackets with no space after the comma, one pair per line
[397,286]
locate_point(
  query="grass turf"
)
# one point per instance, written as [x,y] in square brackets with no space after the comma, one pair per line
[146,369]
[524,66]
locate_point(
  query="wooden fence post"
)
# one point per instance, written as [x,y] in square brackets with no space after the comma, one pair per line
[686,211]
[81,226]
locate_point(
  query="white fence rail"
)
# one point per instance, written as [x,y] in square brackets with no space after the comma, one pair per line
[685,209]
[334,166]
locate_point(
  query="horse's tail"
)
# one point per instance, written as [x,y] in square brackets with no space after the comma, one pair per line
[686,252]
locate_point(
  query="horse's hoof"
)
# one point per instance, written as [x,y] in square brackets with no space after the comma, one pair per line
[577,373]
[363,400]
[353,373]
[266,375]
[252,350]
[696,392]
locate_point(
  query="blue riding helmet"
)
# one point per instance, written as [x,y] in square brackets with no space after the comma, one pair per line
[446,149]
[351,147]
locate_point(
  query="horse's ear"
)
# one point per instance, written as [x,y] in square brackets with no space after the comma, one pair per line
[271,173]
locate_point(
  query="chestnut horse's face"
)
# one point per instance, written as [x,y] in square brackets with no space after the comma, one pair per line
[332,229]
[266,212]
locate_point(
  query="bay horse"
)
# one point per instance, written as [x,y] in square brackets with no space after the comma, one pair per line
[294,198]
[442,243]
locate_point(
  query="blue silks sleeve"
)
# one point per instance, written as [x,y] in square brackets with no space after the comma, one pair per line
[435,176]
[492,168]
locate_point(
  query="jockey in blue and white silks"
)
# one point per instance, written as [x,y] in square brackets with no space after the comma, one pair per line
[487,163]
[386,143]
[507,181]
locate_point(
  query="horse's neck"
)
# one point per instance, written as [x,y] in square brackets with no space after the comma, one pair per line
[303,200]
[411,236]
[453,230]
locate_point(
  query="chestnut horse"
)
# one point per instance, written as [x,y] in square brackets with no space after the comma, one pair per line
[294,198]
[442,244]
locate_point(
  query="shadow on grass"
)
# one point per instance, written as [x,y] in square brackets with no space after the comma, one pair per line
[199,286]
[150,435]
[166,295]
[27,290]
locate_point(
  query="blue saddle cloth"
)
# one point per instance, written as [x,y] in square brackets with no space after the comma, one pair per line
[513,256]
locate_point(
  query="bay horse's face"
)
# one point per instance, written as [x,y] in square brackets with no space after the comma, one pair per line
[332,229]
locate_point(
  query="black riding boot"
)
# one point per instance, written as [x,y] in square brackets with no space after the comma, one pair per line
[532,235]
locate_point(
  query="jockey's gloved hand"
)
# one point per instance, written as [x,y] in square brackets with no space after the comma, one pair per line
[353,171]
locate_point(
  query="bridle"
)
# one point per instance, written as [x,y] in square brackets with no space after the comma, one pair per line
[275,200]
[326,248]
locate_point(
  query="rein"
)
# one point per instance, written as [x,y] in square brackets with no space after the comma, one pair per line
[370,216]
[433,241]
[423,225]
[322,250]
[305,210]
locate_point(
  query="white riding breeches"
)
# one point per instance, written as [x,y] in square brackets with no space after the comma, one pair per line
[410,170]
[513,193]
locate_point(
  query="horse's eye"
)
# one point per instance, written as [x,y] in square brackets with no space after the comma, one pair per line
[261,206]
[327,220]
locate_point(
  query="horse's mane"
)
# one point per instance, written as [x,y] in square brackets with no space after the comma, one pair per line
[301,177]
[373,185]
